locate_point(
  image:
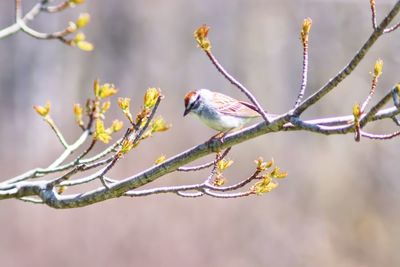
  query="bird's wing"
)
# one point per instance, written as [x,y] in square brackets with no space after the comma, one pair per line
[230,106]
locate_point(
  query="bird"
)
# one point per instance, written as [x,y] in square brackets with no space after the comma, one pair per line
[219,111]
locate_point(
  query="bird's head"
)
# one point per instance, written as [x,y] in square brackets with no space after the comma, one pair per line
[192,102]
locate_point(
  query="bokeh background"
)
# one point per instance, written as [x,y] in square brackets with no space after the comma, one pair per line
[338,207]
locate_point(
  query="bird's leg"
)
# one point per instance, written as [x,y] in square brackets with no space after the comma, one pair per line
[219,136]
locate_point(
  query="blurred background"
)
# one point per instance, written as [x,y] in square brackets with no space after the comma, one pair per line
[339,205]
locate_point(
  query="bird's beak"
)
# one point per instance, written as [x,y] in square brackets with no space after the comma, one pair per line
[186,112]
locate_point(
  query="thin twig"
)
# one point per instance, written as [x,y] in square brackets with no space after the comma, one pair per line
[58,133]
[373,14]
[235,82]
[377,107]
[391,29]
[304,36]
[380,136]
[235,186]
[84,153]
[205,165]
[57,8]
[46,36]
[18,10]
[228,195]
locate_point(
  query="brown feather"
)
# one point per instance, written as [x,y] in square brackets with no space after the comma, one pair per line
[229,105]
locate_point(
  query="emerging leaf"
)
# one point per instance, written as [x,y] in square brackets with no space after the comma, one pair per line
[224,164]
[126,146]
[43,111]
[276,173]
[78,110]
[159,125]
[160,159]
[305,30]
[107,90]
[262,166]
[105,107]
[151,97]
[264,186]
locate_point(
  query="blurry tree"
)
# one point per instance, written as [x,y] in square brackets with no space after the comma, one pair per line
[32,187]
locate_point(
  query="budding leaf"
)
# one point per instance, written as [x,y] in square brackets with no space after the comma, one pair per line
[200,35]
[151,96]
[101,133]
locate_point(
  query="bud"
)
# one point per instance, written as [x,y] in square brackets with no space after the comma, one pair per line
[82,20]
[79,41]
[378,68]
[356,111]
[123,103]
[79,37]
[305,31]
[200,35]
[117,125]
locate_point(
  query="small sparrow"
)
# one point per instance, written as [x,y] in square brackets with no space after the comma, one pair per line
[218,111]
